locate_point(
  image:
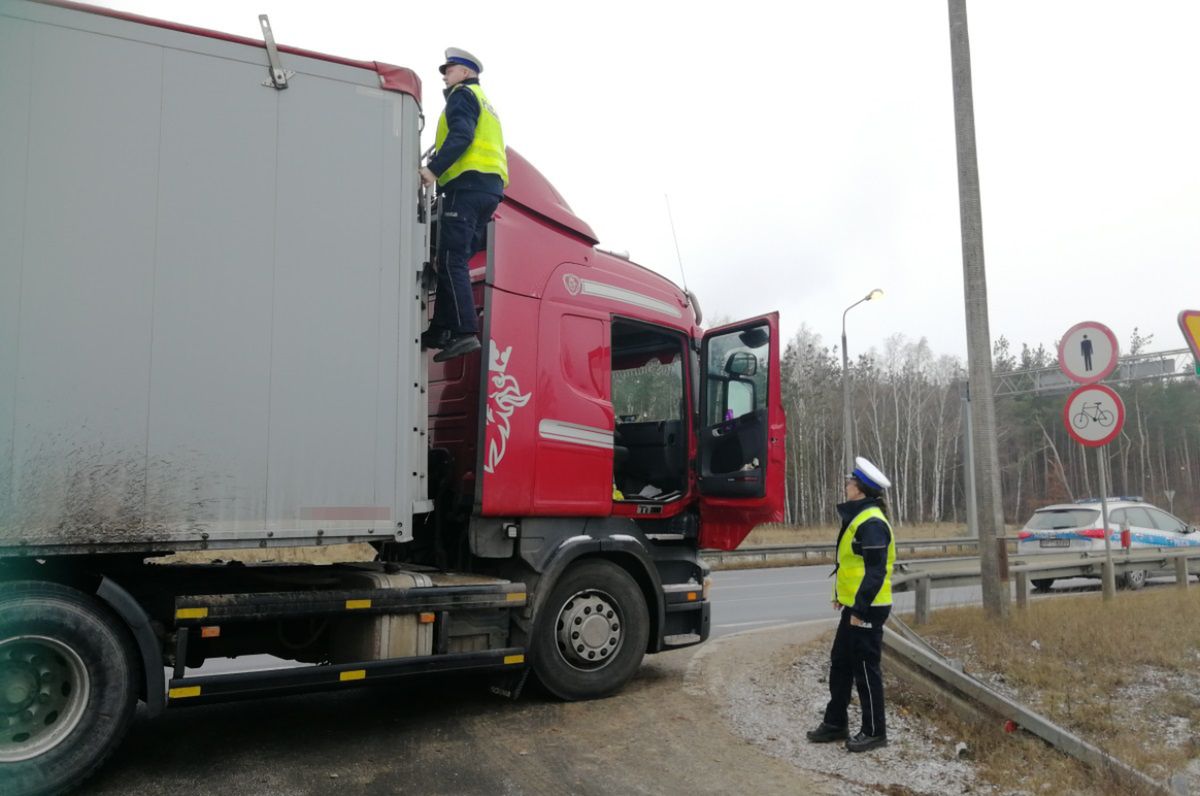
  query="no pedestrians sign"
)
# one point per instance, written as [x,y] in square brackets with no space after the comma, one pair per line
[1088,352]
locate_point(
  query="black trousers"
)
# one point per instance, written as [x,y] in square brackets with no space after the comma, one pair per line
[463,231]
[855,661]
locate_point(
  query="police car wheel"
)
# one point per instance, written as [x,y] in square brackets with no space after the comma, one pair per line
[1133,579]
[1042,584]
[593,632]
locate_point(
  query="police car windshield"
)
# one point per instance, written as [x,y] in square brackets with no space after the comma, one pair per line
[1054,519]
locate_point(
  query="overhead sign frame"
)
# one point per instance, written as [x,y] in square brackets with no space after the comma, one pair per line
[1118,422]
[1088,378]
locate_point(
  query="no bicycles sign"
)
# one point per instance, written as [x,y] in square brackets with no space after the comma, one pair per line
[1094,415]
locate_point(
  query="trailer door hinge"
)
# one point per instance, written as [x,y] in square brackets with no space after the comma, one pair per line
[279,75]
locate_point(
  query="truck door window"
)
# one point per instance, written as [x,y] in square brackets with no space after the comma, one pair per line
[735,412]
[650,440]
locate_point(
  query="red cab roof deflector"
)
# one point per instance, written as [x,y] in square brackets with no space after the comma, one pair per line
[391,78]
[530,189]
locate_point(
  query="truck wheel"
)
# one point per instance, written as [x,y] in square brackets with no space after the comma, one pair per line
[592,633]
[68,686]
[1042,584]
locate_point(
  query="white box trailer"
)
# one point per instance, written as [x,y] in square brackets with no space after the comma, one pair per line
[209,301]
[211,296]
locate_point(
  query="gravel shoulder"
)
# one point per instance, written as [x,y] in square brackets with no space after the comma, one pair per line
[772,686]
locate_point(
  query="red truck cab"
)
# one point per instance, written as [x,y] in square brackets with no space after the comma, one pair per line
[597,393]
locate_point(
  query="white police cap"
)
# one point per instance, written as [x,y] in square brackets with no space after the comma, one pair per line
[869,474]
[455,55]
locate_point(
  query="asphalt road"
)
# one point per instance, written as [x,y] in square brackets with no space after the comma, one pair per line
[746,599]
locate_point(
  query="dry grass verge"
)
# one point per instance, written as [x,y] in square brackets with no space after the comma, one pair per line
[815,534]
[1125,676]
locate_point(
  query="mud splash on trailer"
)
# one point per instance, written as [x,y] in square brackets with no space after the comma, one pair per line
[63,494]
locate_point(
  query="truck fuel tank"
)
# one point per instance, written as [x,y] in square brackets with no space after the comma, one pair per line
[382,636]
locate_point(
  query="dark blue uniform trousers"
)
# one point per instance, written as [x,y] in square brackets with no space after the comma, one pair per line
[855,660]
[462,231]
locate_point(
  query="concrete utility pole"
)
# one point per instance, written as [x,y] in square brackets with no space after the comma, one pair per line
[969,464]
[993,557]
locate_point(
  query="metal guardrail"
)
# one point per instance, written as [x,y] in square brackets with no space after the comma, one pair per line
[1183,562]
[802,552]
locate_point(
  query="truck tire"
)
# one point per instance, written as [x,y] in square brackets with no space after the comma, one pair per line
[592,633]
[68,686]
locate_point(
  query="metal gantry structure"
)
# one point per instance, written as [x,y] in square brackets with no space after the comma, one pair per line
[1134,368]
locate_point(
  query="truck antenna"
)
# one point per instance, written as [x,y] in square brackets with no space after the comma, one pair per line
[675,237]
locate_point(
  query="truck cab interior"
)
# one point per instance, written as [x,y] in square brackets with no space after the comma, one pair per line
[650,440]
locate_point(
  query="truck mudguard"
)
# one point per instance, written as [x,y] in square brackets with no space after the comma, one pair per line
[138,622]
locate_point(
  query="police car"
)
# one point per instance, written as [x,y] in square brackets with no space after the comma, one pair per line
[1077,527]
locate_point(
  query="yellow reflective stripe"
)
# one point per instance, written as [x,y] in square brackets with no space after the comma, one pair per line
[353,674]
[508,659]
[353,605]
[184,693]
[191,613]
[515,596]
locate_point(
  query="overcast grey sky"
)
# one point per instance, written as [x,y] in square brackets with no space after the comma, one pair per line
[808,147]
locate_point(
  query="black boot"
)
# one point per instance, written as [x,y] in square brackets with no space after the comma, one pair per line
[824,733]
[865,743]
[457,347]
[434,338]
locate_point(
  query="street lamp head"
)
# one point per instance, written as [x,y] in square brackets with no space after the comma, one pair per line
[874,294]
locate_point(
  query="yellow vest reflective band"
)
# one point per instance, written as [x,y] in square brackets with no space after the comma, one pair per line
[852,568]
[486,152]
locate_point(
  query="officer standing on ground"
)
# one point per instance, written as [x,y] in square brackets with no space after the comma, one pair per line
[471,169]
[866,550]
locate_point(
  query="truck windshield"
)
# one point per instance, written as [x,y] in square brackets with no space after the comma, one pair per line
[1056,519]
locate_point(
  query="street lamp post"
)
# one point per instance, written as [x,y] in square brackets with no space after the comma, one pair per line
[847,425]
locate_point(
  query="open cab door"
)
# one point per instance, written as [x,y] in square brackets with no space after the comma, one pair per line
[742,430]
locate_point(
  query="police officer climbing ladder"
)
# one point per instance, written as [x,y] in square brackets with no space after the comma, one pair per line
[862,591]
[470,168]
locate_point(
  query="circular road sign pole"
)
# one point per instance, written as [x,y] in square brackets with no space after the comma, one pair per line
[1094,415]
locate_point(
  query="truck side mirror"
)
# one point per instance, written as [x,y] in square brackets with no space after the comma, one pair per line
[741,363]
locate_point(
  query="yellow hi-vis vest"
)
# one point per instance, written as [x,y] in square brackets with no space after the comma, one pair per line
[852,568]
[486,152]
